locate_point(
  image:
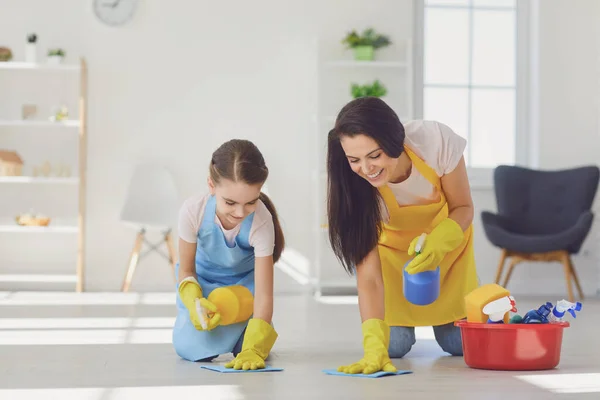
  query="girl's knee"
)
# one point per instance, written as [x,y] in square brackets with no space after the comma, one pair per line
[401,341]
[449,338]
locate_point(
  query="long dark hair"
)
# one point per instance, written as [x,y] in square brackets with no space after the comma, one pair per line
[240,161]
[354,214]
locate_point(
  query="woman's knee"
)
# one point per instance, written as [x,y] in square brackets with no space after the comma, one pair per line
[402,339]
[449,338]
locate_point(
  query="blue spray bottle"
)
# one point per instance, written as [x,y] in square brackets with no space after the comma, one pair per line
[539,316]
[563,306]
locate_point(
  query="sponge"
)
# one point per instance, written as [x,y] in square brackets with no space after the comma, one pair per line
[235,303]
[478,298]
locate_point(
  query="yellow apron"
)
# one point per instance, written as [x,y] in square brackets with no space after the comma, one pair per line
[458,275]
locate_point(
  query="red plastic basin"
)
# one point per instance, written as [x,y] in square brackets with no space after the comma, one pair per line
[512,346]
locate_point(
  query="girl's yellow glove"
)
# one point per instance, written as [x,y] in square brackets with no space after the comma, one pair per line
[190,290]
[376,340]
[444,238]
[259,339]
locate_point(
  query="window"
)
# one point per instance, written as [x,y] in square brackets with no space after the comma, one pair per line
[472,73]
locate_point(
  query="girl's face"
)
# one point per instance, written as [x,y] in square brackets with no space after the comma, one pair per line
[235,200]
[368,160]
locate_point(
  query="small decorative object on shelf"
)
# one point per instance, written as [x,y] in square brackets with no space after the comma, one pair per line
[5,54]
[364,45]
[32,219]
[31,48]
[11,163]
[376,89]
[46,169]
[29,111]
[61,114]
[55,56]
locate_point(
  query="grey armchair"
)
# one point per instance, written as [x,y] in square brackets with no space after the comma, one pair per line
[542,216]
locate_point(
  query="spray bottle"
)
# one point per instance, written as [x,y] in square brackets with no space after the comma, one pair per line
[563,306]
[496,309]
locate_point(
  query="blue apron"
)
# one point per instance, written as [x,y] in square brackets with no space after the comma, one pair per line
[217,265]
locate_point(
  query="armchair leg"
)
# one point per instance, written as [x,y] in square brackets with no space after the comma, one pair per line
[500,266]
[513,263]
[575,278]
[567,267]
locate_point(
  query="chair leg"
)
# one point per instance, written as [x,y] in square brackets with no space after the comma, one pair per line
[575,277]
[514,262]
[567,266]
[172,252]
[500,266]
[133,260]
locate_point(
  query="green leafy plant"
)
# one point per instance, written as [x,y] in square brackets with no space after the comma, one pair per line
[368,38]
[376,89]
[56,52]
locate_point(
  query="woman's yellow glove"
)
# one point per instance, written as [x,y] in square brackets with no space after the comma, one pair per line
[190,291]
[376,340]
[259,339]
[444,238]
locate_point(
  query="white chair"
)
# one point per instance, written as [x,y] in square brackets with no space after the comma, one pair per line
[151,204]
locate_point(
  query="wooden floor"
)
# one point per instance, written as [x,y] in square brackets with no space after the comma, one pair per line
[117,346]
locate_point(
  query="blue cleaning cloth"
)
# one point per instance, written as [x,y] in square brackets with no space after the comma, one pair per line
[220,368]
[374,375]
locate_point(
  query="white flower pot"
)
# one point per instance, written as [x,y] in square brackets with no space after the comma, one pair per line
[54,60]
[30,52]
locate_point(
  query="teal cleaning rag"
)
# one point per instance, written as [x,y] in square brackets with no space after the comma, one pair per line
[220,368]
[374,375]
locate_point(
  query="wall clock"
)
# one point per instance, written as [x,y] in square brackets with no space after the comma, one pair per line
[115,12]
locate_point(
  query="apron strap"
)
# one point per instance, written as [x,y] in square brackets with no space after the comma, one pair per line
[209,211]
[425,170]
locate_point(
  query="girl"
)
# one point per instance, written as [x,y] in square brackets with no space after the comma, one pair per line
[388,184]
[229,241]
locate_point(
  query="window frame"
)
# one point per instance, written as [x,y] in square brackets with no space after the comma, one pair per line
[526,125]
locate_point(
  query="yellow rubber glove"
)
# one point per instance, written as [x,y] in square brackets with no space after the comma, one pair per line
[258,342]
[444,238]
[376,340]
[190,290]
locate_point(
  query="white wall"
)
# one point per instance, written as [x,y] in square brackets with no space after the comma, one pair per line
[170,87]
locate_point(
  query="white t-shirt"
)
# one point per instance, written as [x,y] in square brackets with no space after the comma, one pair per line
[262,231]
[440,148]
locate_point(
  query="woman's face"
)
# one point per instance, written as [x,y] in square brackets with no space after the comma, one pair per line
[235,201]
[368,160]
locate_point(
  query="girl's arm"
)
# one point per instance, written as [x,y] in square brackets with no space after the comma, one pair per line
[458,193]
[263,288]
[187,260]
[370,287]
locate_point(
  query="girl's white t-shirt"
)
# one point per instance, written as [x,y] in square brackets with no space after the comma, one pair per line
[440,148]
[262,231]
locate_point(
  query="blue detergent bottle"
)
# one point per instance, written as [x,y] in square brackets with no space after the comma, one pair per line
[539,316]
[422,288]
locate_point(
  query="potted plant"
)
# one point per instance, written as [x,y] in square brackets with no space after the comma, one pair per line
[364,45]
[30,48]
[5,54]
[55,56]
[375,89]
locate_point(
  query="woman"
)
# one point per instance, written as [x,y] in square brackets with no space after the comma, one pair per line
[229,240]
[388,184]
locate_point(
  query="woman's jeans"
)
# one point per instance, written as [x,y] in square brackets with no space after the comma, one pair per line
[402,339]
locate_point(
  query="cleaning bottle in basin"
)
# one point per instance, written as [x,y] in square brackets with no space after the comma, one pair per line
[539,316]
[561,308]
[497,309]
[422,288]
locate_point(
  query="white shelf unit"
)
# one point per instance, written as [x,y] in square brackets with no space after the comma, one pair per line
[79,126]
[334,79]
